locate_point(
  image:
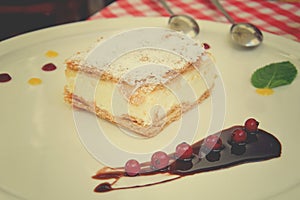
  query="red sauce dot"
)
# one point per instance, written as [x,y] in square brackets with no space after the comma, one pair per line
[49,67]
[4,77]
[205,46]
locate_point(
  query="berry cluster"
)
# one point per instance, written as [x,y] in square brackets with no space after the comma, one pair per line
[160,160]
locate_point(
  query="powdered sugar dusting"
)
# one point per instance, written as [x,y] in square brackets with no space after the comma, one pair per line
[124,52]
[147,66]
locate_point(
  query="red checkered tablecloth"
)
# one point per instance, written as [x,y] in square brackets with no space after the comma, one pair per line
[280,18]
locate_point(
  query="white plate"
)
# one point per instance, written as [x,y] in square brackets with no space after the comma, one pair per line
[43,158]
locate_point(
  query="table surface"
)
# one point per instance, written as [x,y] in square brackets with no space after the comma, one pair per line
[277,17]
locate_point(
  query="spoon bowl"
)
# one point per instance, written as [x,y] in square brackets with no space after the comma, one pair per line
[246,34]
[243,34]
[183,23]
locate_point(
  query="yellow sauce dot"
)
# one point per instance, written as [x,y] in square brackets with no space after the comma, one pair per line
[51,54]
[264,91]
[34,81]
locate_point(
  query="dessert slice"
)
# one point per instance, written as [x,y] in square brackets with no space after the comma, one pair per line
[141,80]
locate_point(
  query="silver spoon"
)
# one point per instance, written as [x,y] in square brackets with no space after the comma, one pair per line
[184,23]
[244,34]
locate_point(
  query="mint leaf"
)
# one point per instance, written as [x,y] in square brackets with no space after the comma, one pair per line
[274,75]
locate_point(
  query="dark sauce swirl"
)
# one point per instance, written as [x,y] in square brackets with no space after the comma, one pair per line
[258,147]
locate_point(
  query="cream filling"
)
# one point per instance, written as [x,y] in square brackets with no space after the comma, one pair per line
[106,95]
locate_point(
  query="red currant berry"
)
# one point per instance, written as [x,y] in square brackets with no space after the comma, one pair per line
[160,160]
[213,142]
[251,125]
[184,151]
[132,167]
[239,136]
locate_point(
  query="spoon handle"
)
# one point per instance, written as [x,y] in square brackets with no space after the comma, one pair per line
[221,8]
[165,5]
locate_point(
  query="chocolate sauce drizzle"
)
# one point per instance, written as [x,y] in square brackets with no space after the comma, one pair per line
[259,146]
